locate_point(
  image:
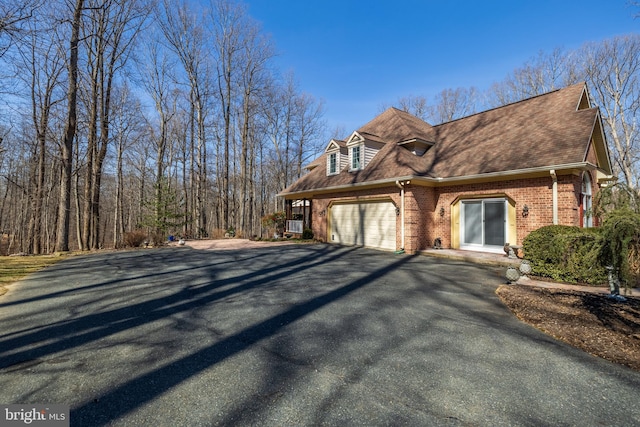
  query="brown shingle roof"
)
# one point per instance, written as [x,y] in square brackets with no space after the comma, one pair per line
[541,131]
[395,126]
[546,130]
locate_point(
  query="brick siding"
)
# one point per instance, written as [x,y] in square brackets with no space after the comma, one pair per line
[423,222]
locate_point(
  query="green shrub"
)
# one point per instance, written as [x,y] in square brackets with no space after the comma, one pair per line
[567,254]
[307,234]
[621,244]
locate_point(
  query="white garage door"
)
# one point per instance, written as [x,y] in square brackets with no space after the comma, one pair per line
[370,224]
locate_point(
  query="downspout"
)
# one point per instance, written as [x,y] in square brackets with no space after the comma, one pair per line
[554,192]
[400,185]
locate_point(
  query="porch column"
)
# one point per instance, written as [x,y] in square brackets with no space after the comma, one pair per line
[304,214]
[288,207]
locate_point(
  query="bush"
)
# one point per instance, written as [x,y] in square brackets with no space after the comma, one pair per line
[307,234]
[276,220]
[158,239]
[621,244]
[568,254]
[134,239]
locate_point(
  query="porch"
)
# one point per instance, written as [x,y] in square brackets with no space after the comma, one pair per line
[298,215]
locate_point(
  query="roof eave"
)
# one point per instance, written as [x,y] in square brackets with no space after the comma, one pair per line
[516,172]
[439,181]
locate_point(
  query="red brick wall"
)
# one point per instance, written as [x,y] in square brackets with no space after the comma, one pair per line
[536,193]
[423,222]
[420,220]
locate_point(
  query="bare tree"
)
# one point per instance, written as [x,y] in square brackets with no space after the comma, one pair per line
[257,52]
[128,129]
[451,104]
[156,77]
[110,33]
[184,31]
[64,206]
[416,105]
[543,73]
[293,128]
[447,105]
[308,125]
[41,67]
[14,18]
[228,25]
[612,68]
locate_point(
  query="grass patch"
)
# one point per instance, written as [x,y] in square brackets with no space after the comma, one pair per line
[15,268]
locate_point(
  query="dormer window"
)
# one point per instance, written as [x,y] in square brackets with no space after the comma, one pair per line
[333,163]
[336,156]
[362,148]
[355,157]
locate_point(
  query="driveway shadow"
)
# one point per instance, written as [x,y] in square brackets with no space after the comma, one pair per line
[311,335]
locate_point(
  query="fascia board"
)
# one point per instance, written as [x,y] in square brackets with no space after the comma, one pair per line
[438,181]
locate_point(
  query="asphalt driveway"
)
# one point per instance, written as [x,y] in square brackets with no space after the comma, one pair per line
[292,335]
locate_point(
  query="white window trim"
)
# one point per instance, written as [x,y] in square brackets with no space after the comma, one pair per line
[337,163]
[360,148]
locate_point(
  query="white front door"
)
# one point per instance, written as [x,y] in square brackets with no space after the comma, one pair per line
[483,224]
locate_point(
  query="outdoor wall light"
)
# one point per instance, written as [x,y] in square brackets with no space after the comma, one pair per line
[323,212]
[397,211]
[525,211]
[441,210]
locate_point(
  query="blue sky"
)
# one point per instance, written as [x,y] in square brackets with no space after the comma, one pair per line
[360,55]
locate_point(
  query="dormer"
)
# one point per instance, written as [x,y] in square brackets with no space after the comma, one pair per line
[416,146]
[362,147]
[337,156]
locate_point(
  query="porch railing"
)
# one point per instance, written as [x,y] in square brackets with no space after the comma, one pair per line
[294,226]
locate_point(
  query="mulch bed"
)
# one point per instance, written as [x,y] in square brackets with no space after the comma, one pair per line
[592,322]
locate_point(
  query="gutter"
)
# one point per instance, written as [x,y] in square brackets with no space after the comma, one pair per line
[443,181]
[554,195]
[400,185]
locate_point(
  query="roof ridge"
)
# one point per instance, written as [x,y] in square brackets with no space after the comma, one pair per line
[582,83]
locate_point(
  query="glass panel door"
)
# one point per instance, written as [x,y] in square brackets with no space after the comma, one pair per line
[472,219]
[483,223]
[494,221]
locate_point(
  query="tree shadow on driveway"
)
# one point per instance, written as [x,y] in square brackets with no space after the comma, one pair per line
[144,388]
[290,335]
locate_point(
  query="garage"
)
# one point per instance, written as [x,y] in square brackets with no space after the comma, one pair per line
[371,224]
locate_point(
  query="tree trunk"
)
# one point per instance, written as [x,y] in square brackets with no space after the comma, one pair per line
[64,207]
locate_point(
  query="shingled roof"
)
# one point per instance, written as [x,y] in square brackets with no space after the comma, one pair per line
[543,131]
[396,126]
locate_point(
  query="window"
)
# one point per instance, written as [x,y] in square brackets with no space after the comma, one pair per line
[333,163]
[586,206]
[355,157]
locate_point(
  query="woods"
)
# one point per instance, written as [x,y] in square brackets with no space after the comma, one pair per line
[135,116]
[171,118]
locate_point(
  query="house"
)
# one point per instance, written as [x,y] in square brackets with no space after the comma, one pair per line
[473,183]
